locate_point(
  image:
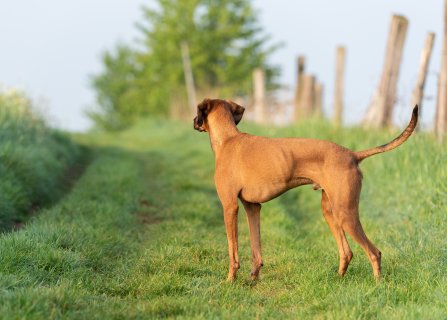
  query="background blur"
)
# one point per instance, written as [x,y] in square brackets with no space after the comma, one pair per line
[50,48]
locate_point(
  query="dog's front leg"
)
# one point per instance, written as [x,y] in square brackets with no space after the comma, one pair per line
[230,217]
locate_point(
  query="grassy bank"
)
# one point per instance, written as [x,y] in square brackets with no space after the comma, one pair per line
[141,235]
[33,160]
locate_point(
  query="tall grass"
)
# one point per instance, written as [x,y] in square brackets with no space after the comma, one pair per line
[33,158]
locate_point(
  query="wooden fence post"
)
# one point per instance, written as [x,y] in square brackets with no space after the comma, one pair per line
[259,95]
[189,79]
[380,110]
[339,85]
[318,99]
[301,68]
[441,105]
[307,103]
[418,92]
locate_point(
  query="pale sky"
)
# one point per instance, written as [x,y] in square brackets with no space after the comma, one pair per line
[50,48]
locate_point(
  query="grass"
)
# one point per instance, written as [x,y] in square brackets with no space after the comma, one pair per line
[33,160]
[141,235]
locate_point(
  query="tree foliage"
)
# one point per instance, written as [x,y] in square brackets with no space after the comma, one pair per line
[225,41]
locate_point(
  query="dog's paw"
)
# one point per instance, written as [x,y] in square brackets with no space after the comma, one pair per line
[253,277]
[231,277]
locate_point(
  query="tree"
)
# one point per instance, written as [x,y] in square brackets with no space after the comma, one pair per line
[114,87]
[225,41]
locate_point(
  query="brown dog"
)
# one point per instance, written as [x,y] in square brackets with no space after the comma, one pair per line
[257,169]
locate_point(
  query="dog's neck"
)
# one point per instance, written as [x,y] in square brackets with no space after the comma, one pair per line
[221,127]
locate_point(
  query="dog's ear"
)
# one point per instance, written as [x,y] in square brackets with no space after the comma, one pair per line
[202,110]
[236,110]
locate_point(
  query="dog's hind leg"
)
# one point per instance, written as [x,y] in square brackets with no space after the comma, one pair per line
[343,246]
[354,228]
[254,224]
[345,206]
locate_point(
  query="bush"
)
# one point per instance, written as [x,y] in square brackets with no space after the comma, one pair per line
[33,159]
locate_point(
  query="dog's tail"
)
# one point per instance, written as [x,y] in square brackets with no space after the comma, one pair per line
[360,155]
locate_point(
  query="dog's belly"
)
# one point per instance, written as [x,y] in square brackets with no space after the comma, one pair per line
[264,192]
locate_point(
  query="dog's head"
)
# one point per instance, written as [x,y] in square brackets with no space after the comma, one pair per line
[209,106]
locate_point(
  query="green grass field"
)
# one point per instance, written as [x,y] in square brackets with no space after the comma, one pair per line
[141,236]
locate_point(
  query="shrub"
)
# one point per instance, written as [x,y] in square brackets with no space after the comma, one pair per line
[33,159]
